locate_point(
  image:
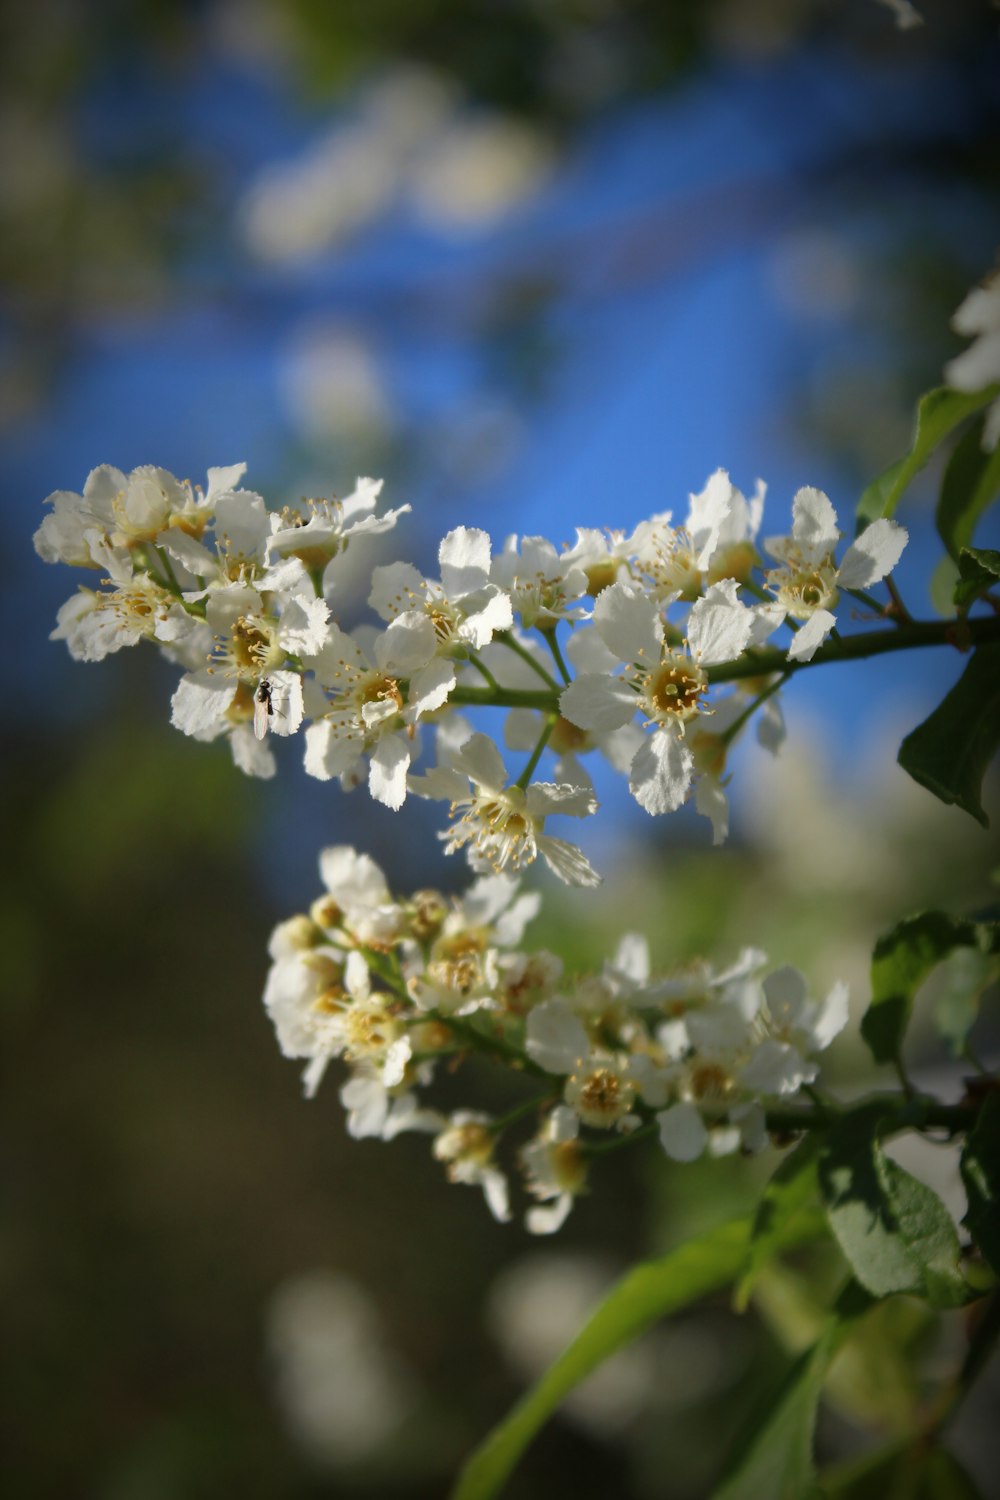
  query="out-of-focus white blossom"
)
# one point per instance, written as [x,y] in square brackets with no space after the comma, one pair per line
[978,318]
[395,986]
[808,583]
[343,1391]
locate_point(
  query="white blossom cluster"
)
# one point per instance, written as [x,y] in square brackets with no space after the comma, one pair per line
[397,987]
[614,644]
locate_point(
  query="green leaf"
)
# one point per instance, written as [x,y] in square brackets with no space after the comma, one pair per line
[971,481]
[778,1464]
[927,1230]
[789,1200]
[914,1471]
[978,570]
[895,1232]
[901,960]
[944,583]
[981,1175]
[644,1296]
[949,752]
[859,1214]
[967,973]
[938,413]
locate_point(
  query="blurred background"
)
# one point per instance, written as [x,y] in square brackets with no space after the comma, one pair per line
[540,266]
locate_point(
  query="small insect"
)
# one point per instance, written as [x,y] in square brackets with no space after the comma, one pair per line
[263,708]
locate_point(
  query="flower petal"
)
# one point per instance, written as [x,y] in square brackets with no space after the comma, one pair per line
[628,623]
[808,639]
[875,553]
[555,1038]
[597,702]
[661,773]
[682,1132]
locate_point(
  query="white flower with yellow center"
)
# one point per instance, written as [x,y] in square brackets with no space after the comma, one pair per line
[466,1146]
[555,1169]
[368,698]
[467,609]
[808,584]
[128,511]
[599,1086]
[501,826]
[461,973]
[544,585]
[255,632]
[131,607]
[604,556]
[357,899]
[319,532]
[663,683]
[323,1006]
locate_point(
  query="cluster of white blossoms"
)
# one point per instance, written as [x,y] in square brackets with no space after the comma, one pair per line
[616,644]
[398,986]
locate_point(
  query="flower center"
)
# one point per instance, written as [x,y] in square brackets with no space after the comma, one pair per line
[674,690]
[709,1080]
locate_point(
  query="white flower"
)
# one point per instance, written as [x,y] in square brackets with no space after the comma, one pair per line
[465,607]
[601,1091]
[555,1170]
[543,584]
[323,1006]
[147,506]
[807,585]
[665,684]
[358,898]
[502,826]
[461,973]
[604,556]
[318,533]
[466,1144]
[375,1112]
[555,1038]
[977,367]
[682,1132]
[371,700]
[810,1025]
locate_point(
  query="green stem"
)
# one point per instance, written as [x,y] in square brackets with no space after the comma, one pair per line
[480,1041]
[528,1107]
[737,724]
[764,661]
[388,971]
[477,697]
[557,656]
[484,671]
[168,570]
[536,754]
[506,639]
[869,601]
[899,613]
[909,635]
[601,1148]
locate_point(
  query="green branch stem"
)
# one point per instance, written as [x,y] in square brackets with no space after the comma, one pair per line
[557,656]
[766,660]
[536,754]
[506,639]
